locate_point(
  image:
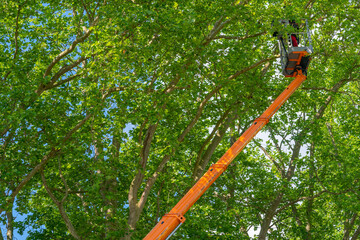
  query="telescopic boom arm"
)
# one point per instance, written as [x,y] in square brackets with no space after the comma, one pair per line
[172,220]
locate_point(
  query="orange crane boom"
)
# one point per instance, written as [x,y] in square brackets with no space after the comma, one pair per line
[172,220]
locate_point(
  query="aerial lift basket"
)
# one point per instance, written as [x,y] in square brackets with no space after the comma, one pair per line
[293,56]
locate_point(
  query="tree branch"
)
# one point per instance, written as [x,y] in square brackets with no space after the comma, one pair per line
[296,215]
[87,11]
[111,90]
[335,89]
[211,135]
[71,48]
[17,30]
[356,234]
[298,200]
[72,131]
[166,158]
[53,152]
[238,37]
[349,226]
[198,113]
[204,160]
[150,182]
[278,167]
[15,37]
[332,138]
[235,75]
[294,156]
[65,183]
[69,191]
[37,168]
[46,186]
[278,148]
[10,225]
[63,81]
[309,4]
[60,206]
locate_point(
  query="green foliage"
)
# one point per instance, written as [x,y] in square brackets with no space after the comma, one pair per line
[108,108]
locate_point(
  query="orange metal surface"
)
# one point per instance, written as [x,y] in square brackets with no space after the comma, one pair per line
[170,221]
[297,60]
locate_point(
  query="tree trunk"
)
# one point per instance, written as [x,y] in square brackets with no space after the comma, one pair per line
[349,225]
[10,226]
[356,233]
[270,213]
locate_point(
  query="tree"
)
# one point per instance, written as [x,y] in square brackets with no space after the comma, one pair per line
[111,110]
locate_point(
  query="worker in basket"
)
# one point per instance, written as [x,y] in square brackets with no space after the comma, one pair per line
[294,37]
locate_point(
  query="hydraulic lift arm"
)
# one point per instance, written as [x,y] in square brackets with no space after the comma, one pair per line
[172,220]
